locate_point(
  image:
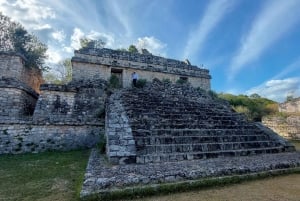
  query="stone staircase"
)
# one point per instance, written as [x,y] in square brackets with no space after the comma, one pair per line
[177,122]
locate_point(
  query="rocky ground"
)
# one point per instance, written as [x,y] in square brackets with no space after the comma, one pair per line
[102,177]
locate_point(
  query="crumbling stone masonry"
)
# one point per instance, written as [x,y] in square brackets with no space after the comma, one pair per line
[174,122]
[101,63]
[59,117]
[287,124]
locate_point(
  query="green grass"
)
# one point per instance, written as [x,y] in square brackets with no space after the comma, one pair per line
[58,176]
[44,176]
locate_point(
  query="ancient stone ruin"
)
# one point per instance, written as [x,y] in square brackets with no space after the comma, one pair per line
[288,123]
[36,118]
[90,63]
[166,122]
[163,132]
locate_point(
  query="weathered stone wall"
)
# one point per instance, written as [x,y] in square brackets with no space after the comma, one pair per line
[12,66]
[17,100]
[120,143]
[292,106]
[81,101]
[22,137]
[63,117]
[60,121]
[100,63]
[288,127]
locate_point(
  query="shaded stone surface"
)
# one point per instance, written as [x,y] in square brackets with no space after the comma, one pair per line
[175,122]
[102,177]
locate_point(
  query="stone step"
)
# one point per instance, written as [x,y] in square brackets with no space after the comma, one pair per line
[195,132]
[150,125]
[153,158]
[156,140]
[202,147]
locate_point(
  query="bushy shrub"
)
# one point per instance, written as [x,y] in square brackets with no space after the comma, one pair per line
[102,144]
[114,82]
[141,83]
[166,80]
[181,81]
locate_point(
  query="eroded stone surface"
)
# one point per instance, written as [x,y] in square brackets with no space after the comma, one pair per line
[101,176]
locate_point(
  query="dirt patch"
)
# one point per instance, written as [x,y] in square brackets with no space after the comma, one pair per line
[283,188]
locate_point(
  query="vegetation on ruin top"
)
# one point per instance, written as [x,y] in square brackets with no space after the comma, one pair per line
[15,38]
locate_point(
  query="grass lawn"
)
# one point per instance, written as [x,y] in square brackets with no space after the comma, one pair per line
[46,176]
[58,176]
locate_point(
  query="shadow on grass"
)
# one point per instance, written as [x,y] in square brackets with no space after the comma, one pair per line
[43,176]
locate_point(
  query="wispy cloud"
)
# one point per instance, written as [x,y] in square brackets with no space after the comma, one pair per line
[121,12]
[31,13]
[58,35]
[278,89]
[93,35]
[212,16]
[276,18]
[152,44]
[280,86]
[292,69]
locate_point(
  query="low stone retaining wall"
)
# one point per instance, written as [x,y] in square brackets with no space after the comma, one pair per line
[24,137]
[101,179]
[288,127]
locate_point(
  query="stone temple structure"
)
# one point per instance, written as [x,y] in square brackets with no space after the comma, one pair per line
[89,63]
[287,125]
[163,132]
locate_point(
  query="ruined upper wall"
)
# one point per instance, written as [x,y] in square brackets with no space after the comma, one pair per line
[292,106]
[12,66]
[97,63]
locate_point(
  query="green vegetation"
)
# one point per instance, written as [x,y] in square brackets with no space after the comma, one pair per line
[46,176]
[102,144]
[182,81]
[114,82]
[15,38]
[166,80]
[59,175]
[89,43]
[63,73]
[253,106]
[141,83]
[132,49]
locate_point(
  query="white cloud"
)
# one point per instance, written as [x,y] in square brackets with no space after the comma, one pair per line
[93,35]
[212,16]
[152,44]
[58,35]
[108,39]
[31,13]
[75,38]
[276,18]
[278,90]
[68,49]
[54,56]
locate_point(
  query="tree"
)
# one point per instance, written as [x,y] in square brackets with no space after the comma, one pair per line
[89,43]
[14,37]
[254,107]
[62,73]
[254,95]
[132,49]
[289,98]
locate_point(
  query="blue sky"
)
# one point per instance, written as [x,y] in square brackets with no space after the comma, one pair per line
[249,46]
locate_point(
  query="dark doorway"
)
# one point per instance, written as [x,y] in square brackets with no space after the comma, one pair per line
[117,75]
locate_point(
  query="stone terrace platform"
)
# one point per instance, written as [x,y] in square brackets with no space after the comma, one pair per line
[102,178]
